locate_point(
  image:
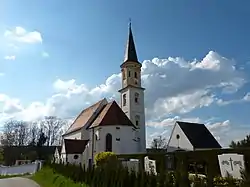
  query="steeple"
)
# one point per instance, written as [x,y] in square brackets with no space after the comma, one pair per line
[130,53]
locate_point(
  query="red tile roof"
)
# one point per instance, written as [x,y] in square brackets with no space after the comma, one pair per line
[75,146]
[100,114]
[84,117]
[112,114]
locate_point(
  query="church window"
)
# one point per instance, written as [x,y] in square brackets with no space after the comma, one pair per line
[97,134]
[124,99]
[136,75]
[128,73]
[137,120]
[108,142]
[137,123]
[76,157]
[136,98]
[117,133]
[123,74]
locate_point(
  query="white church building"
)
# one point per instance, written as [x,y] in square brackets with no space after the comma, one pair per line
[106,126]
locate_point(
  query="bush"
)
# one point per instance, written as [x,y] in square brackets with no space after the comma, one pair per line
[105,158]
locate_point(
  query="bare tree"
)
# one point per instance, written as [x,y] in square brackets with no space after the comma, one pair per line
[52,127]
[33,130]
[15,133]
[159,143]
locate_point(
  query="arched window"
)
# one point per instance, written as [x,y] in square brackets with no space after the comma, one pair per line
[136,98]
[124,99]
[135,74]
[108,142]
[137,120]
[128,73]
[123,74]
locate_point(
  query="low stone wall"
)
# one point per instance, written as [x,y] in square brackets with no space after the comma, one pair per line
[21,169]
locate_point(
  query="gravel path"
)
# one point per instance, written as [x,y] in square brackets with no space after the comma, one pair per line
[18,182]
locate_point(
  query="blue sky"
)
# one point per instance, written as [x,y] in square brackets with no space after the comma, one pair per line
[80,44]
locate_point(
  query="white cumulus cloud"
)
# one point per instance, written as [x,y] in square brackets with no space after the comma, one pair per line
[11,57]
[19,34]
[174,86]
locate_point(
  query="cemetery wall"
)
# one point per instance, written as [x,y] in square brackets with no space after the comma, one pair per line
[20,169]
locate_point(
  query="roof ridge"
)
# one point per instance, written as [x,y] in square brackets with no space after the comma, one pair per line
[84,110]
[189,122]
[111,114]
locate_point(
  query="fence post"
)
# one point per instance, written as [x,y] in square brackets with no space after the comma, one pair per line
[141,163]
[210,172]
[182,170]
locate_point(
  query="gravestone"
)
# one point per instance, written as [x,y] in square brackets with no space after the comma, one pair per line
[150,166]
[231,164]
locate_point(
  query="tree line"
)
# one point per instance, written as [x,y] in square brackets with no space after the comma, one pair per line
[47,131]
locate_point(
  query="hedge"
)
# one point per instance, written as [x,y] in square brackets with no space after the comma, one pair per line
[121,177]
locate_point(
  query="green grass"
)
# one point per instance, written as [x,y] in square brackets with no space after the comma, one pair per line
[46,178]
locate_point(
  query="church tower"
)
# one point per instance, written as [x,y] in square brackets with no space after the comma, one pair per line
[132,93]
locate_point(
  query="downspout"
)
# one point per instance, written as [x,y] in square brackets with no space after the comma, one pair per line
[92,153]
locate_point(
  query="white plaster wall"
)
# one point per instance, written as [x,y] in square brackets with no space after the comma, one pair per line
[63,158]
[125,108]
[183,142]
[84,134]
[57,156]
[126,145]
[86,156]
[71,159]
[138,109]
[73,135]
[132,109]
[22,169]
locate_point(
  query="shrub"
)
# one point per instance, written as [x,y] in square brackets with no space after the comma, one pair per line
[106,158]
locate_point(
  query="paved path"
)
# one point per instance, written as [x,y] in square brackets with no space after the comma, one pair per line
[18,182]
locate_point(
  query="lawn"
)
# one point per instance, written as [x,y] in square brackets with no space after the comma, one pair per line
[47,178]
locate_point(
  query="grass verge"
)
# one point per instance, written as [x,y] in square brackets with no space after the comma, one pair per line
[47,178]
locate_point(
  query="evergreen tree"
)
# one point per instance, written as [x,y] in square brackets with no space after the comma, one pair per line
[242,143]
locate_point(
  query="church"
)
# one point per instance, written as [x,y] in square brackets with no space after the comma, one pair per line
[107,126]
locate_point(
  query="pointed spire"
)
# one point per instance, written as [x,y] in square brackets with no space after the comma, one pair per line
[130,53]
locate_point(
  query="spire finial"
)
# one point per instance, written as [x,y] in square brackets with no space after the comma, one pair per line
[129,23]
